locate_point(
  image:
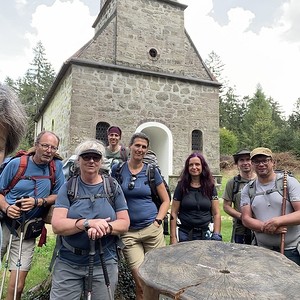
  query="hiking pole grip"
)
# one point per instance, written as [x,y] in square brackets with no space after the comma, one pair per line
[283,209]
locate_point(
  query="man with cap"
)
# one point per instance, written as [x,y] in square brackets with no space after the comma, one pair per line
[261,206]
[114,152]
[232,196]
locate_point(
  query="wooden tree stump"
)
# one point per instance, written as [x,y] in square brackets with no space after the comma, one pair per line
[216,270]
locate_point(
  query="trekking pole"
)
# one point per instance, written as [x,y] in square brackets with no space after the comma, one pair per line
[13,226]
[105,273]
[91,269]
[20,254]
[283,209]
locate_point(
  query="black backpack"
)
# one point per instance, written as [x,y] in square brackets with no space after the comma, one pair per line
[150,171]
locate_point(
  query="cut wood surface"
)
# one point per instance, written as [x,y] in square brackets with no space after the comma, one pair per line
[217,270]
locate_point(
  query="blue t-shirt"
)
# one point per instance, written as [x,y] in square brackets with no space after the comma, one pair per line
[142,210]
[87,208]
[32,187]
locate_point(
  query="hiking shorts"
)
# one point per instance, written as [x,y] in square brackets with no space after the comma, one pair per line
[26,254]
[140,241]
[70,280]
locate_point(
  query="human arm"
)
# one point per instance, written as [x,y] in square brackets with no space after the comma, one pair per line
[65,226]
[165,205]
[216,214]
[227,206]
[276,224]
[173,222]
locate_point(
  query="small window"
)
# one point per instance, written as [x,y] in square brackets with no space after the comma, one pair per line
[197,140]
[101,132]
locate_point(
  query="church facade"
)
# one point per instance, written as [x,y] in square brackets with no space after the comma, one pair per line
[141,72]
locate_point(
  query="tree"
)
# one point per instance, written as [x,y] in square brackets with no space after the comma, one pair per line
[258,127]
[33,87]
[216,67]
[228,142]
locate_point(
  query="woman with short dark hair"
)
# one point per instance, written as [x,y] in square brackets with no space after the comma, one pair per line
[146,231]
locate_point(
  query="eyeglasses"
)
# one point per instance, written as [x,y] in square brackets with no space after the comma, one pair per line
[263,161]
[88,157]
[47,146]
[131,184]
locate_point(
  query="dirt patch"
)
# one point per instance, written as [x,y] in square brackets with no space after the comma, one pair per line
[283,161]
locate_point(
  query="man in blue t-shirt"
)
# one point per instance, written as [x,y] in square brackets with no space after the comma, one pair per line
[32,195]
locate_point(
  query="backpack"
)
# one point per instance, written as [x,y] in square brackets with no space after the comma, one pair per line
[24,157]
[150,171]
[278,187]
[151,161]
[236,185]
[109,184]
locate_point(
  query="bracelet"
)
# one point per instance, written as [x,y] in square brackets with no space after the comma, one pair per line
[6,210]
[44,204]
[111,228]
[77,222]
[36,201]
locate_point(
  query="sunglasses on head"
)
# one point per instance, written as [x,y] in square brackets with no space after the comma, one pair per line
[131,184]
[94,157]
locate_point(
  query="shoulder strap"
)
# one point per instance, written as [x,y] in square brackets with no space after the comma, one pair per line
[278,188]
[150,171]
[236,185]
[52,173]
[118,173]
[72,188]
[20,172]
[109,189]
[123,153]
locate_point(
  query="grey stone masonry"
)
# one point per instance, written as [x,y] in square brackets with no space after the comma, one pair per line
[141,67]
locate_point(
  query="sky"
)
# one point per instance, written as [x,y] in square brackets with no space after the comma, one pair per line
[258,41]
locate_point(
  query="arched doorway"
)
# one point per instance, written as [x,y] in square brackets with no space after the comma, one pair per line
[161,142]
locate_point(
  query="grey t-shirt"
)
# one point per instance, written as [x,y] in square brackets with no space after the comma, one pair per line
[268,205]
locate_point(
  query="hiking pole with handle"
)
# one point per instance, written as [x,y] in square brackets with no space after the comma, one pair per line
[283,209]
[23,216]
[105,273]
[13,226]
[91,269]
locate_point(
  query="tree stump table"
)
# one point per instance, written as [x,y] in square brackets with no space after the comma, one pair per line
[217,270]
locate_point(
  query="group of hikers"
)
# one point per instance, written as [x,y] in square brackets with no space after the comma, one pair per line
[97,214]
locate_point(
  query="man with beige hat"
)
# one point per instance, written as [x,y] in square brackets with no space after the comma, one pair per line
[261,206]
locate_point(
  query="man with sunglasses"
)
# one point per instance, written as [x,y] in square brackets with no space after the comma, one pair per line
[262,210]
[36,192]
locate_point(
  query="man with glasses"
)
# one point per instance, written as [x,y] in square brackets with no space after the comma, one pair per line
[261,206]
[30,197]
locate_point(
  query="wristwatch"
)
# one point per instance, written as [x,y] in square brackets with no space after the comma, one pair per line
[86,224]
[158,221]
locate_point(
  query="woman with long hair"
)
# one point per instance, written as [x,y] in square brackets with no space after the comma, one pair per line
[195,203]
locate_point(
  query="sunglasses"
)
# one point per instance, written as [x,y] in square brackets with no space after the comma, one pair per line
[131,184]
[94,157]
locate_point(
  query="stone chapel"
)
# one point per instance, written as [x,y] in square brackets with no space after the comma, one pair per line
[141,72]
